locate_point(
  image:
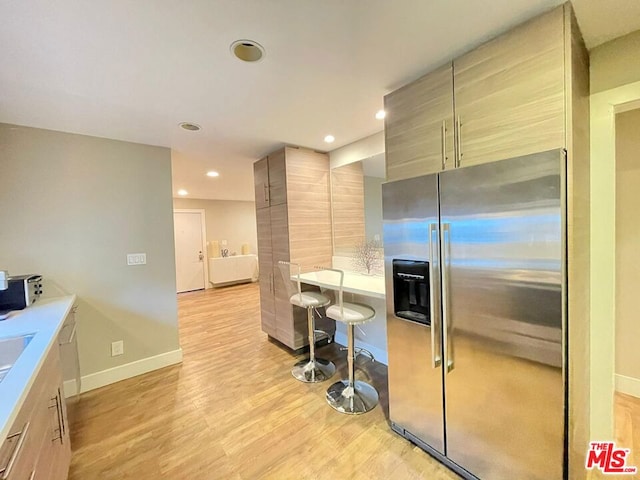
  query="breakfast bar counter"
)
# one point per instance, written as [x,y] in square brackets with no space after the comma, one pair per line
[357,283]
[358,288]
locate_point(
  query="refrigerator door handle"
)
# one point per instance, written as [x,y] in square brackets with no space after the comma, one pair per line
[446,263]
[443,134]
[458,137]
[436,325]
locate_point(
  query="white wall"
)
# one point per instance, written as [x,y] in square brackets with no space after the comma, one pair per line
[611,64]
[358,150]
[72,207]
[233,221]
[627,251]
[615,63]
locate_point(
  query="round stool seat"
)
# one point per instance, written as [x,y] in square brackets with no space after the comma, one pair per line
[309,299]
[353,313]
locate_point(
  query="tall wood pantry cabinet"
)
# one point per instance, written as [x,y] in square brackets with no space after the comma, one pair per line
[293,216]
[525,91]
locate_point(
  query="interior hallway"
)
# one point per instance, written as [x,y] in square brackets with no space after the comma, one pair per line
[232,410]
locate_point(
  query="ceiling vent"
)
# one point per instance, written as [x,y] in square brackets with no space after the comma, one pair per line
[192,127]
[247,50]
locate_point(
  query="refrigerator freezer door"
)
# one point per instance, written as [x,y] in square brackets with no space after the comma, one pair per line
[410,211]
[503,264]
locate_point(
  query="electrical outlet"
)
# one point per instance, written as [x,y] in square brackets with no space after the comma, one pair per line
[117,348]
[136,258]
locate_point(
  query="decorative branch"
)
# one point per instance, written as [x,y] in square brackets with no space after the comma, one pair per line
[367,256]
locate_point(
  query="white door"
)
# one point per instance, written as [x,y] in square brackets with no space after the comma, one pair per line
[189,255]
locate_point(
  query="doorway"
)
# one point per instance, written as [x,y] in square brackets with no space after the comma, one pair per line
[190,241]
[604,304]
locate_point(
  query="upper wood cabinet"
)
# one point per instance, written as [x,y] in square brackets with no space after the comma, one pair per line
[269,180]
[510,93]
[277,178]
[261,182]
[419,126]
[506,98]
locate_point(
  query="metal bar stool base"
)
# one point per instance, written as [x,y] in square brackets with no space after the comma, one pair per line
[353,401]
[309,371]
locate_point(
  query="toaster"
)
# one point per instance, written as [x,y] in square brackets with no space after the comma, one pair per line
[22,291]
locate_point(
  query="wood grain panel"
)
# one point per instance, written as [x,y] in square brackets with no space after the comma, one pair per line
[261,182]
[309,207]
[347,204]
[277,178]
[265,265]
[280,244]
[413,125]
[578,241]
[509,93]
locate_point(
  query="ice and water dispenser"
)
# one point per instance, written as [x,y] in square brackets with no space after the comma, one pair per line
[411,290]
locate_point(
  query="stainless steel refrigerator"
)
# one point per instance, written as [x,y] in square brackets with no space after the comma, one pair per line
[475,269]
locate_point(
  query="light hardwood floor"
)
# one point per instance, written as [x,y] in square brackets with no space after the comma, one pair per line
[627,424]
[232,410]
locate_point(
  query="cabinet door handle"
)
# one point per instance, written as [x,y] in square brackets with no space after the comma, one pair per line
[458,142]
[63,420]
[443,134]
[266,193]
[56,405]
[71,336]
[6,471]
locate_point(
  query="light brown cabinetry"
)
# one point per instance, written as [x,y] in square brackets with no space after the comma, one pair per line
[295,227]
[506,98]
[510,93]
[419,126]
[261,182]
[265,266]
[38,445]
[269,179]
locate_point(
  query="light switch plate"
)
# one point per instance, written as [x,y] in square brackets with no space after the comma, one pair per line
[136,258]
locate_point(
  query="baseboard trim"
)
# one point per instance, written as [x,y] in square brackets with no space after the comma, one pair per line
[378,353]
[628,385]
[122,372]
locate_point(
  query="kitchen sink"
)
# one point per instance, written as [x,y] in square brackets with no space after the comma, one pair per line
[10,350]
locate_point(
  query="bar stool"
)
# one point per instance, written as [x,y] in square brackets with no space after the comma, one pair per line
[312,369]
[350,396]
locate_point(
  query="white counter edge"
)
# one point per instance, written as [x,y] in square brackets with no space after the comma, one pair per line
[46,338]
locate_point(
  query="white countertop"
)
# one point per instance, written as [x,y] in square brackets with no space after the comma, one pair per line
[369,285]
[44,319]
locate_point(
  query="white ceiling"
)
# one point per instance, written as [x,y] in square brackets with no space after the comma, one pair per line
[133,70]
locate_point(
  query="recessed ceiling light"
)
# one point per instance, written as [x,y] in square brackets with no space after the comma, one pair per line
[247,50]
[329,138]
[192,127]
[212,174]
[380,114]
[182,192]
